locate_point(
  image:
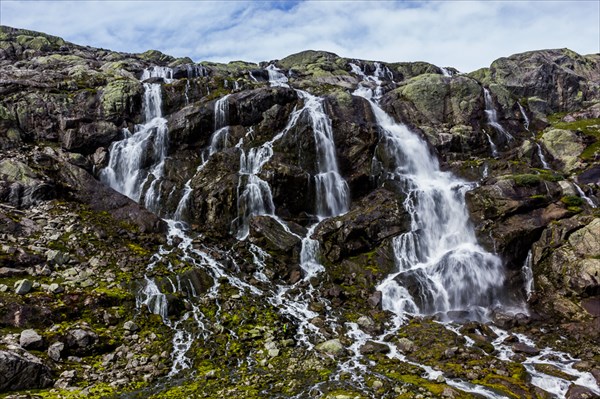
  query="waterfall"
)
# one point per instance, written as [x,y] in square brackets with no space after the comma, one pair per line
[276,77]
[152,297]
[254,194]
[332,193]
[493,146]
[220,137]
[524,115]
[138,159]
[527,273]
[492,115]
[165,73]
[440,266]
[541,156]
[583,196]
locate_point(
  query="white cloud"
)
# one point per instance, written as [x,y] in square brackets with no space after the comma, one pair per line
[464,34]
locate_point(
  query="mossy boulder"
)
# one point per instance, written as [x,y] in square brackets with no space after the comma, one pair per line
[449,110]
[565,146]
[121,97]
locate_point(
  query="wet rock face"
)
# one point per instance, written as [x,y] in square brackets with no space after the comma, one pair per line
[378,217]
[214,201]
[356,136]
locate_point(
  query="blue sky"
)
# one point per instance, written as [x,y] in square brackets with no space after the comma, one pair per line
[467,34]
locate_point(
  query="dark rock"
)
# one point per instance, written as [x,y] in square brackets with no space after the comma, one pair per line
[295,276]
[526,349]
[271,235]
[592,306]
[88,137]
[374,300]
[520,212]
[590,176]
[579,392]
[371,347]
[250,107]
[377,217]
[356,136]
[213,202]
[20,373]
[80,341]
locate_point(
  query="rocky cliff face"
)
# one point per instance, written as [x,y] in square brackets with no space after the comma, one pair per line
[257,274]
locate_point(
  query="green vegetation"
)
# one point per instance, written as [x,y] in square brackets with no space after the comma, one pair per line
[527,180]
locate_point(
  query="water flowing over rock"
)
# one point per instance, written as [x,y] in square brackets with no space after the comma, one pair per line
[441,267]
[136,163]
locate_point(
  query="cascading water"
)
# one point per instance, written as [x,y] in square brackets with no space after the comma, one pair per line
[492,146]
[527,273]
[492,115]
[541,156]
[524,115]
[332,194]
[136,163]
[180,245]
[254,194]
[276,77]
[439,244]
[583,196]
[540,153]
[331,199]
[441,268]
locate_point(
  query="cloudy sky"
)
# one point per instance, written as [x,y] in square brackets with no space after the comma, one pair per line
[464,34]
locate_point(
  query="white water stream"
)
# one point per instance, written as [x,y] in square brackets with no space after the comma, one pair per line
[583,196]
[492,115]
[136,163]
[441,268]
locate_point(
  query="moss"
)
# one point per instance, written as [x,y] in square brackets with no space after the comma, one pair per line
[538,197]
[138,250]
[156,56]
[588,127]
[514,386]
[527,180]
[572,201]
